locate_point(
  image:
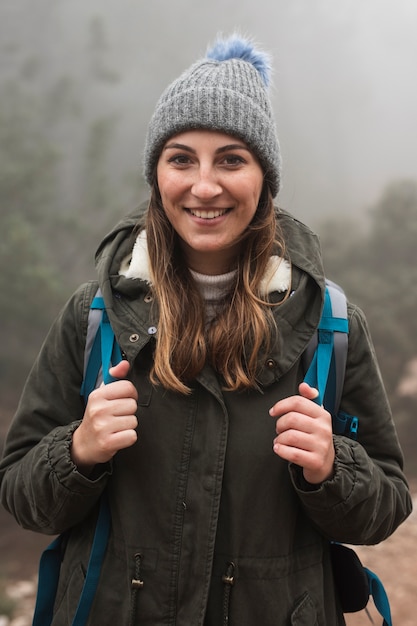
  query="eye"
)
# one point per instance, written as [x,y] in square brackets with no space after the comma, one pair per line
[179,159]
[233,160]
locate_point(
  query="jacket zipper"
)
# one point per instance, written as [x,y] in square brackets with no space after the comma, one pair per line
[228,581]
[136,586]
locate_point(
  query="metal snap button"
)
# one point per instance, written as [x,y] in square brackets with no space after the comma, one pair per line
[134,337]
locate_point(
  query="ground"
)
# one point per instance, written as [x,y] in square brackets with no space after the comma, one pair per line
[395,563]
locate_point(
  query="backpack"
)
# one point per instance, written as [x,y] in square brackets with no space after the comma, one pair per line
[325,362]
[326,355]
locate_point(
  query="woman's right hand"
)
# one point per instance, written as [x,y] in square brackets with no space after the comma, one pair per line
[109,423]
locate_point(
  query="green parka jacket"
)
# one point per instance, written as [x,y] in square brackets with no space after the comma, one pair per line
[201,495]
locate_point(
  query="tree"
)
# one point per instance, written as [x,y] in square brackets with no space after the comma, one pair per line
[377,268]
[28,283]
[53,215]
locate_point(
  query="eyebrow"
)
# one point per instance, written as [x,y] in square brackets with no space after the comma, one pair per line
[231,146]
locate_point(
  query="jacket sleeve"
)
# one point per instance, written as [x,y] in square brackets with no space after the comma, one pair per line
[368,496]
[39,484]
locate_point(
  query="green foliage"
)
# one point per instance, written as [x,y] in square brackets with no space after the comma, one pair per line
[49,231]
[27,159]
[394,228]
[377,268]
[96,181]
[27,171]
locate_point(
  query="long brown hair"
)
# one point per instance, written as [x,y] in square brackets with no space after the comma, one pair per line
[244,326]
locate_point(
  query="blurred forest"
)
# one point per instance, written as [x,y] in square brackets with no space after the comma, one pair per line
[78,83]
[78,86]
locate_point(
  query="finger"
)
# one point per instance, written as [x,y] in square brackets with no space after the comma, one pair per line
[120,370]
[311,393]
[123,423]
[294,404]
[107,445]
[120,389]
[295,439]
[312,463]
[295,421]
[123,439]
[126,406]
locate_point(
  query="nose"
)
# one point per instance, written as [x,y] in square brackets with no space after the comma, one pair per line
[206,184]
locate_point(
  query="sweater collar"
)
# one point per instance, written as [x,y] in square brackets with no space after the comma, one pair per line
[136,266]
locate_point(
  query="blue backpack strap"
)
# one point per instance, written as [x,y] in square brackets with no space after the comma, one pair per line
[326,373]
[101,348]
[327,366]
[326,356]
[49,567]
[101,352]
[334,388]
[98,550]
[380,598]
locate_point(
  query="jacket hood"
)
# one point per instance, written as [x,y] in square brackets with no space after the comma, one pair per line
[136,266]
[122,262]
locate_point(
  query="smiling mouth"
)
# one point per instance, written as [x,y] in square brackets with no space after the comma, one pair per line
[208,215]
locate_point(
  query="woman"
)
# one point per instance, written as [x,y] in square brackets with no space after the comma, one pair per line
[224,479]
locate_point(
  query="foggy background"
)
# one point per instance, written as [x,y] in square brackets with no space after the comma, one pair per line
[344,93]
[79,80]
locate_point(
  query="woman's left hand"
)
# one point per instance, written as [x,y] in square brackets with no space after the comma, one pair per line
[304,434]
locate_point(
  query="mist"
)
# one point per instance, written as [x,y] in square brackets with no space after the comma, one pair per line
[79,80]
[344,89]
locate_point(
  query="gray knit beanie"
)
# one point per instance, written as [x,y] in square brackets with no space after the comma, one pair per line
[226,91]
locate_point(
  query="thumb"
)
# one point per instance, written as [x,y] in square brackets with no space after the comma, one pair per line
[311,393]
[120,370]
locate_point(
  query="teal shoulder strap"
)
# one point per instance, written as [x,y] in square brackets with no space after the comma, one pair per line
[328,363]
[49,566]
[101,348]
[326,356]
[101,352]
[49,569]
[380,598]
[327,353]
[98,550]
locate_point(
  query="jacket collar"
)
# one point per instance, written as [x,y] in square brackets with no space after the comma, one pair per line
[136,266]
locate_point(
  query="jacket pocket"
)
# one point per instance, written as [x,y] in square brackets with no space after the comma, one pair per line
[305,613]
[64,612]
[285,589]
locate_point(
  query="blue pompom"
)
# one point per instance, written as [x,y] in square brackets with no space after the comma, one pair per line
[237,47]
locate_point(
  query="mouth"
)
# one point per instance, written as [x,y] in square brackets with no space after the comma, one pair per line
[209,214]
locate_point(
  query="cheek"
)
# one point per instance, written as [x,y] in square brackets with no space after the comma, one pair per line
[171,188]
[250,187]
[250,195]
[167,192]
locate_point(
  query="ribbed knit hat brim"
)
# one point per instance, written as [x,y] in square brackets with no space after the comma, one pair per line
[228,96]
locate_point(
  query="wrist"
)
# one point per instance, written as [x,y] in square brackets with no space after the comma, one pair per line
[79,459]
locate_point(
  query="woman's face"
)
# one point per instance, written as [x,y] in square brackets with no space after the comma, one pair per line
[210,184]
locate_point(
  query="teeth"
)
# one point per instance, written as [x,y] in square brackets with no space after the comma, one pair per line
[208,215]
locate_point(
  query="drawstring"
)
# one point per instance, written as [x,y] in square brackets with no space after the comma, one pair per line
[229,581]
[136,584]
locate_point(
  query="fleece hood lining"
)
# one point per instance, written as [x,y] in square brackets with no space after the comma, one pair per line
[136,266]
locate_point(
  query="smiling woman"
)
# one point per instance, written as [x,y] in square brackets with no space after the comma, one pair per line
[224,480]
[210,186]
[210,192]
